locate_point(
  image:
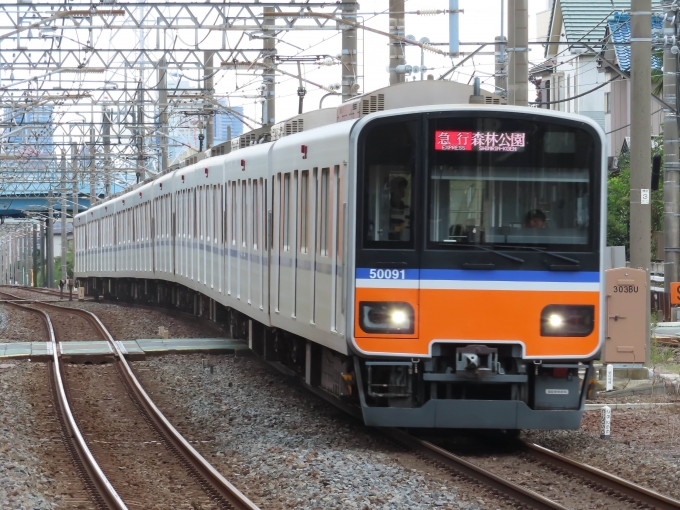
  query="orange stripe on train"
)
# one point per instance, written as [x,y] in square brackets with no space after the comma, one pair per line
[478,315]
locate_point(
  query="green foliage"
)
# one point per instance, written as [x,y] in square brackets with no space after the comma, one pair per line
[57,267]
[660,353]
[618,202]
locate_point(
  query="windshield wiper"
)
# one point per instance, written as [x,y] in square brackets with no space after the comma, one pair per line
[486,248]
[556,255]
[543,250]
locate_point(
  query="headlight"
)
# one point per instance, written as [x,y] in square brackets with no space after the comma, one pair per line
[384,317]
[567,320]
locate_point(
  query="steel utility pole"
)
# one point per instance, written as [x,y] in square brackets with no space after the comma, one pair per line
[106,135]
[49,250]
[518,53]
[269,74]
[92,166]
[64,241]
[671,181]
[74,171]
[398,28]
[141,173]
[500,71]
[163,111]
[35,252]
[640,135]
[208,71]
[43,253]
[350,58]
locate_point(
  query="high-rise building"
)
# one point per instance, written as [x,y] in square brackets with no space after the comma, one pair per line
[224,120]
[183,130]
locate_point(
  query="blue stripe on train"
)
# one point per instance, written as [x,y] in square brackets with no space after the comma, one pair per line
[481,275]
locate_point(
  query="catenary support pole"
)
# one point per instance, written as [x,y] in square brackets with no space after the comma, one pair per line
[397,50]
[671,181]
[92,166]
[141,171]
[43,253]
[106,136]
[349,56]
[63,238]
[50,241]
[74,175]
[269,73]
[518,52]
[208,71]
[26,258]
[500,71]
[163,111]
[640,135]
[35,254]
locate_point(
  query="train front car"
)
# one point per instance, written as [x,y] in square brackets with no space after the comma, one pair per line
[478,290]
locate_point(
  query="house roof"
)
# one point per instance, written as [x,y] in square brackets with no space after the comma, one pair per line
[619,28]
[584,20]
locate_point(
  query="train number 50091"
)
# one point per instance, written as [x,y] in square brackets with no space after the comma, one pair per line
[387,274]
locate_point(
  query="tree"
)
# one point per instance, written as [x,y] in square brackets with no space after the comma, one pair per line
[618,202]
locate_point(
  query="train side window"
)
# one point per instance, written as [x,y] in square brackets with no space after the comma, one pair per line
[216,209]
[265,218]
[304,211]
[337,199]
[256,216]
[225,216]
[233,213]
[388,164]
[286,212]
[244,216]
[193,212]
[324,211]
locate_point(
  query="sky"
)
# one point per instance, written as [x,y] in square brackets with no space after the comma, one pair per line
[480,22]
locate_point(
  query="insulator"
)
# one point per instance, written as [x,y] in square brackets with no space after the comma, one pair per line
[429,12]
[429,47]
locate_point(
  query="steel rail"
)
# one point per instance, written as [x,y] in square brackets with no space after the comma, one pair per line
[219,484]
[607,480]
[506,487]
[104,488]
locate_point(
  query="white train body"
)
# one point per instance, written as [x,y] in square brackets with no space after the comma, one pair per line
[221,211]
[270,235]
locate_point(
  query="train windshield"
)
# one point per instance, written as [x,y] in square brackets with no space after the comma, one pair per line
[509,182]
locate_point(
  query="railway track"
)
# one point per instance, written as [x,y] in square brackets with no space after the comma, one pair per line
[620,493]
[127,452]
[601,485]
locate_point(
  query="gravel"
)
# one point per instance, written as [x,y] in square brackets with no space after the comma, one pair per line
[133,323]
[285,448]
[644,446]
[20,326]
[36,471]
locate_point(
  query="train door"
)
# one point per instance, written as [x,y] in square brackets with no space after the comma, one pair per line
[275,251]
[313,232]
[286,257]
[337,272]
[294,213]
[248,237]
[303,273]
[324,271]
[256,244]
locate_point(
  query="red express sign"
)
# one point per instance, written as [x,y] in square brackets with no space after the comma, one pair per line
[469,141]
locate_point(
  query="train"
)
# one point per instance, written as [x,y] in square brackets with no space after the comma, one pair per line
[424,256]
